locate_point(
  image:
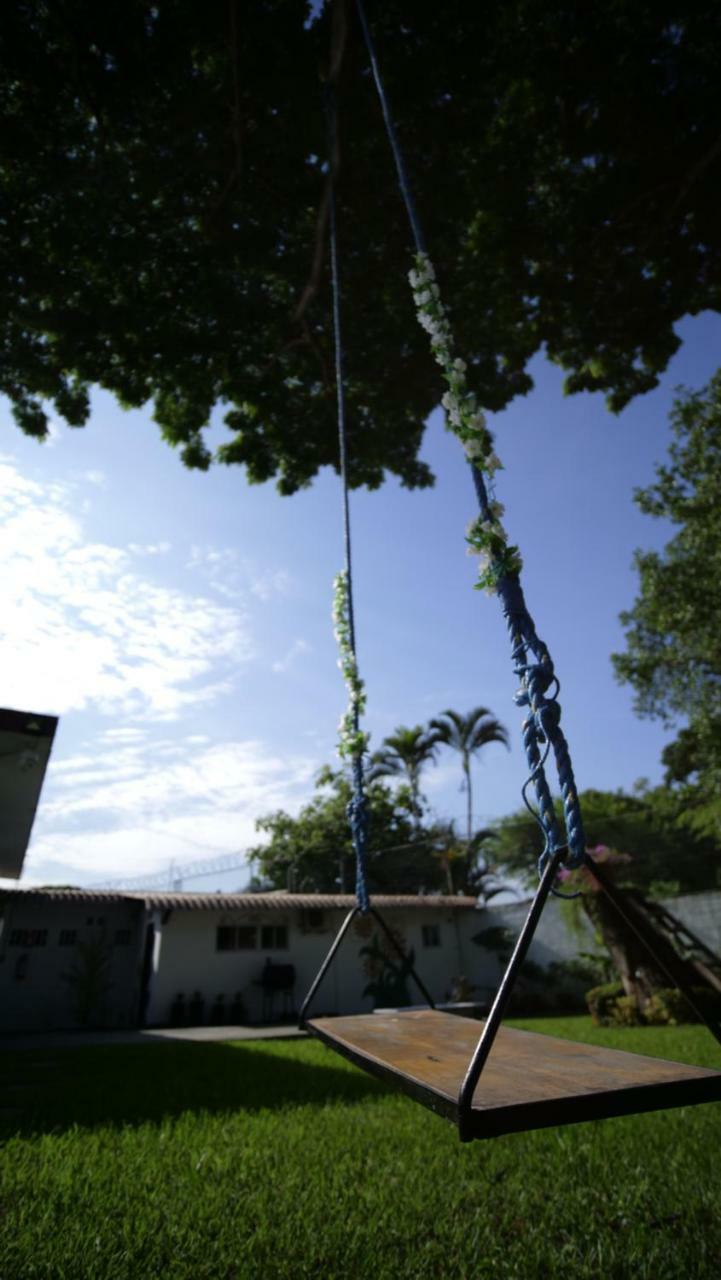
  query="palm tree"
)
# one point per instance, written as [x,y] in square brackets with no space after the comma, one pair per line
[405,752]
[477,876]
[468,735]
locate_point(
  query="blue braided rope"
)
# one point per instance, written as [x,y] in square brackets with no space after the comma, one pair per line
[542,722]
[357,806]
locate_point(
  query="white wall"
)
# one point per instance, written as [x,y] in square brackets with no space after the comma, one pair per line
[37,991]
[701,913]
[189,960]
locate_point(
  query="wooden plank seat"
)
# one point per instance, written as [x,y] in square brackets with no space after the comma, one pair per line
[530,1080]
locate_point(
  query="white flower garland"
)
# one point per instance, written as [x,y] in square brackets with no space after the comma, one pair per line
[352,742]
[465,418]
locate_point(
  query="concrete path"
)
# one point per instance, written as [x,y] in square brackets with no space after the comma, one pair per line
[162,1035]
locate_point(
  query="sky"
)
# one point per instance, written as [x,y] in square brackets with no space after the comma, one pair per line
[179,622]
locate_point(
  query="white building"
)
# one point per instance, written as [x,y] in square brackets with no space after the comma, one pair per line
[81,957]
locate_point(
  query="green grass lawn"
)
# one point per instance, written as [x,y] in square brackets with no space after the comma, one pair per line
[279,1159]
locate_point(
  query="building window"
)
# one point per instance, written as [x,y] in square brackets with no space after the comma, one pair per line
[28,937]
[242,937]
[68,937]
[431,934]
[122,937]
[246,937]
[274,937]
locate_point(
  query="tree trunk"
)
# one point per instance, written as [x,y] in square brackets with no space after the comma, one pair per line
[635,967]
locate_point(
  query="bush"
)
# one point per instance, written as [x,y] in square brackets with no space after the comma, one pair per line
[624,1012]
[668,1007]
[609,1006]
[601,1000]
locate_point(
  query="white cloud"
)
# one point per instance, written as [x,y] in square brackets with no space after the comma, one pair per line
[298,647]
[131,807]
[219,567]
[84,627]
[232,576]
[267,585]
[149,548]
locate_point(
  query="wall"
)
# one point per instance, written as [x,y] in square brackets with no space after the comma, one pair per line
[554,941]
[189,960]
[701,913]
[37,992]
[48,987]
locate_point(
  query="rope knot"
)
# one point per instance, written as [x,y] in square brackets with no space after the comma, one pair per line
[547,718]
[536,677]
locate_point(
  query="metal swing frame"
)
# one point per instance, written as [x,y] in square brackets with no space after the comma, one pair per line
[690,1085]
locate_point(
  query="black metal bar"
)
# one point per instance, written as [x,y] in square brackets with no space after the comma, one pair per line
[326,965]
[493,1021]
[661,951]
[394,941]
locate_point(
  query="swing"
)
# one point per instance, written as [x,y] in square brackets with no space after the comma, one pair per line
[507,1080]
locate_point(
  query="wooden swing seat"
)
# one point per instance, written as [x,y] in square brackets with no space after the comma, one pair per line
[530,1081]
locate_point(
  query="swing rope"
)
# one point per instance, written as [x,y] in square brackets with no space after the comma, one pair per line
[352,741]
[532,662]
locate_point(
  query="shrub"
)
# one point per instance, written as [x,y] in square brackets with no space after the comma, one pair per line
[669,1007]
[600,1001]
[624,1012]
[609,1006]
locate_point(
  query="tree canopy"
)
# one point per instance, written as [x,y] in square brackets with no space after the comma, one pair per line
[162,200]
[673,643]
[468,735]
[313,852]
[404,753]
[665,857]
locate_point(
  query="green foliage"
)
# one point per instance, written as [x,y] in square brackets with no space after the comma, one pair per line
[164,228]
[388,975]
[673,637]
[669,1007]
[88,978]
[666,857]
[590,966]
[468,864]
[313,852]
[626,1012]
[609,1006]
[539,989]
[602,1001]
[404,753]
[587,966]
